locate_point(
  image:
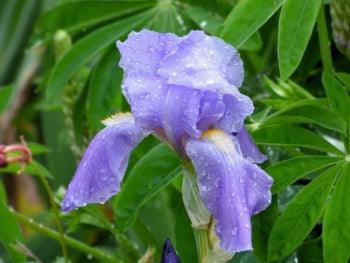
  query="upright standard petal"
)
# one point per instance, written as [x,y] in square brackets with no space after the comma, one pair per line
[248,148]
[143,50]
[169,254]
[102,168]
[232,188]
[202,61]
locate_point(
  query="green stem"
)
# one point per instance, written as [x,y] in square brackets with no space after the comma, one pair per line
[55,210]
[98,254]
[325,49]
[202,242]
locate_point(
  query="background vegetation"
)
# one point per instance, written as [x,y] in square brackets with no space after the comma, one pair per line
[59,77]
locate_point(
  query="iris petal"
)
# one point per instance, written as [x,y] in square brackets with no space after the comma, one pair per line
[102,168]
[201,61]
[143,50]
[146,94]
[232,188]
[249,150]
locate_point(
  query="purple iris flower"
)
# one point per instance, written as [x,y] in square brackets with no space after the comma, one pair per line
[169,254]
[184,90]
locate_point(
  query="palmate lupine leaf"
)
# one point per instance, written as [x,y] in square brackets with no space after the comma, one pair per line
[315,111]
[340,12]
[288,171]
[301,215]
[285,135]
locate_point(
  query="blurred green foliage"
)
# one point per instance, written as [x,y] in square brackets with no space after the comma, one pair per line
[59,77]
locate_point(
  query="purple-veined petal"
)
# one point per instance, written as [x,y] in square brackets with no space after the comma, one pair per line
[103,165]
[232,188]
[169,254]
[201,61]
[143,50]
[248,148]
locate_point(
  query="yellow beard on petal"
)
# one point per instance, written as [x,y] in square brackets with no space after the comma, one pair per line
[118,118]
[221,139]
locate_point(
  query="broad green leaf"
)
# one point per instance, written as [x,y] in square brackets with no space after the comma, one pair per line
[288,171]
[105,96]
[295,27]
[344,78]
[301,215]
[246,18]
[85,49]
[10,232]
[185,242]
[337,96]
[289,135]
[314,111]
[95,12]
[154,171]
[336,224]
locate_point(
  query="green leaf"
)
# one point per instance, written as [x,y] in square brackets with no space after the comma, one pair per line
[262,225]
[6,93]
[185,242]
[17,18]
[286,135]
[105,96]
[311,251]
[168,19]
[95,12]
[295,27]
[246,18]
[207,20]
[336,224]
[154,171]
[37,148]
[10,232]
[85,49]
[344,78]
[301,215]
[33,168]
[314,111]
[337,95]
[288,171]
